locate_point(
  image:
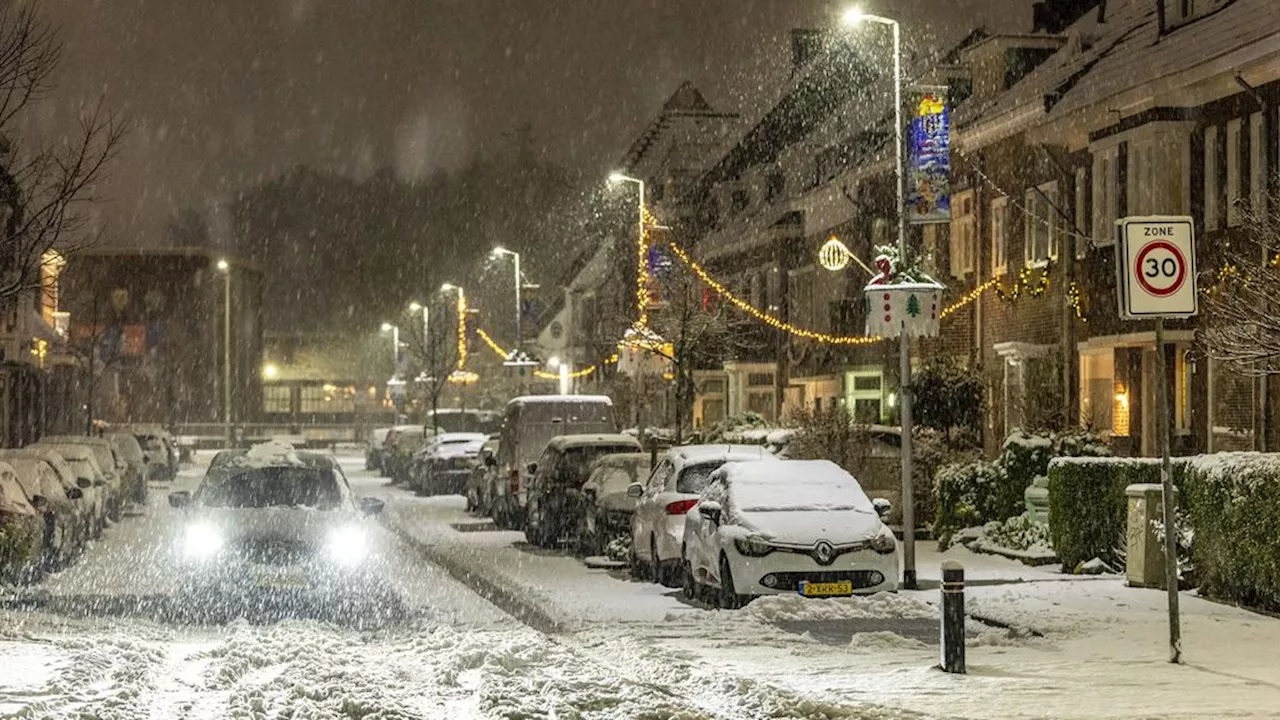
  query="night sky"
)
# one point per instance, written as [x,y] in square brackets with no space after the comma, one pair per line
[224,94]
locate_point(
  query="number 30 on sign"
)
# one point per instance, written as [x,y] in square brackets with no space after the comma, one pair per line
[1156,265]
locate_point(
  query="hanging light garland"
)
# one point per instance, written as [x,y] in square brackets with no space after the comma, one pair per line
[1075,300]
[505,355]
[1024,285]
[462,331]
[495,347]
[969,297]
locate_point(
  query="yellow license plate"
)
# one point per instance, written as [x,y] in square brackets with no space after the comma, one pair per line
[826,589]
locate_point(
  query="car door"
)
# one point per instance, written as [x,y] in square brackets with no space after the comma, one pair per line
[699,536]
[547,463]
[649,509]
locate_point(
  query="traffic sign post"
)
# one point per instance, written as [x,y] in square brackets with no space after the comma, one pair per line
[1156,279]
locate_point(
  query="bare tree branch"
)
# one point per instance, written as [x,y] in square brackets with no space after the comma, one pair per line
[1242,296]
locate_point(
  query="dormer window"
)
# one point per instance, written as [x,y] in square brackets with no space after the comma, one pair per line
[1176,13]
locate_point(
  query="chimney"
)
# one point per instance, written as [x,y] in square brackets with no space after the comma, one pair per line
[805,45]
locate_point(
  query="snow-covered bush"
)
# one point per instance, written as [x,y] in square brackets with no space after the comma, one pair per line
[19,547]
[735,428]
[1088,508]
[618,548]
[978,493]
[966,494]
[1234,503]
[1018,533]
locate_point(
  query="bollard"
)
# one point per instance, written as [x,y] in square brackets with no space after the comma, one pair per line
[952,617]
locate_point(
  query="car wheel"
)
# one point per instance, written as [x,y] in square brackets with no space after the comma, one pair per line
[471,501]
[655,565]
[688,585]
[639,570]
[727,597]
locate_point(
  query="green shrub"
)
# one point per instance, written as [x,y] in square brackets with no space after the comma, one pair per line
[1234,503]
[1088,508]
[733,425]
[965,496]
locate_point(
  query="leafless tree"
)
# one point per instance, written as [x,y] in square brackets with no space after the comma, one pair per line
[433,350]
[1242,296]
[702,331]
[44,189]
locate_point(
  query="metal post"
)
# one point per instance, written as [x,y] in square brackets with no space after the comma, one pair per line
[904,347]
[519,307]
[952,617]
[226,355]
[643,312]
[1169,499]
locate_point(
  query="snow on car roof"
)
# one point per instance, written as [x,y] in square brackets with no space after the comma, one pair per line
[560,442]
[268,454]
[459,437]
[686,455]
[536,399]
[793,486]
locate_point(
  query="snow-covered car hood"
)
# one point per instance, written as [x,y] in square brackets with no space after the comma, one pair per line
[620,501]
[805,527]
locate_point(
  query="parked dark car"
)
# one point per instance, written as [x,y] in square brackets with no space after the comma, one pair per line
[555,495]
[605,513]
[444,463]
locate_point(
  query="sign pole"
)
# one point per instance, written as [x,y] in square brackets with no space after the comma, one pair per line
[1169,500]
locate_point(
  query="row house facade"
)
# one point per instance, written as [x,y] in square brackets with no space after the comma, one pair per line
[1104,110]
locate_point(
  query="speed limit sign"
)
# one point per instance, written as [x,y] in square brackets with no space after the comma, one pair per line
[1156,265]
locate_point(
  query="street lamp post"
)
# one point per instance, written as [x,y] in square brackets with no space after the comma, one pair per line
[224,267]
[642,314]
[851,18]
[395,347]
[515,257]
[426,320]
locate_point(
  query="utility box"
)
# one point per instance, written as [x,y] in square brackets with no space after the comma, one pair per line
[1144,549]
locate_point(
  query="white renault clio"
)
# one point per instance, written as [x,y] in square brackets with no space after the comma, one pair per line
[794,526]
[657,527]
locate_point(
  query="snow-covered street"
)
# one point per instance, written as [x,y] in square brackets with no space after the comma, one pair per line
[495,628]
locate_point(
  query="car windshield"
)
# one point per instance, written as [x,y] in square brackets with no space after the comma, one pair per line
[308,487]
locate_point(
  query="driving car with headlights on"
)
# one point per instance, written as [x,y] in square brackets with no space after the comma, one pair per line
[274,523]
[792,526]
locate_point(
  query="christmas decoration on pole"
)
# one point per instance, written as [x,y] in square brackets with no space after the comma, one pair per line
[901,298]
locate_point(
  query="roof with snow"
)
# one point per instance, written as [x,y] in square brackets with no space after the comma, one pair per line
[561,442]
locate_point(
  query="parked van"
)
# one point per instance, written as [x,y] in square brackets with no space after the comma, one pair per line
[528,424]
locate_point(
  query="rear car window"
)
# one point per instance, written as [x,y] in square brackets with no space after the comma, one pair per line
[694,478]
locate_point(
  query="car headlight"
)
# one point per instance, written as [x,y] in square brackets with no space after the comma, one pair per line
[754,546]
[348,545]
[202,540]
[884,543]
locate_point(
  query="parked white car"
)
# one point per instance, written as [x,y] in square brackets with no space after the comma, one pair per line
[657,527]
[794,526]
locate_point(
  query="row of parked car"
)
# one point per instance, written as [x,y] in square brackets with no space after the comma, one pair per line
[725,522]
[61,492]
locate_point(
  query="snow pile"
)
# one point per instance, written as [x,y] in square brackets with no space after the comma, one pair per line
[790,608]
[883,641]
[1018,536]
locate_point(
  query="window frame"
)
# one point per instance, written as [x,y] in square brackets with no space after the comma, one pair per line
[999,209]
[964,234]
[1034,198]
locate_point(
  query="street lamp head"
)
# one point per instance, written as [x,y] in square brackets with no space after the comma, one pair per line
[852,17]
[386,327]
[499,251]
[223,265]
[415,306]
[553,362]
[448,287]
[617,177]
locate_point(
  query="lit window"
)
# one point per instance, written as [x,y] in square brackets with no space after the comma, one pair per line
[999,237]
[1043,224]
[864,394]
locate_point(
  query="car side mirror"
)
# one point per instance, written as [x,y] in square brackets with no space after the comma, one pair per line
[490,461]
[635,490]
[710,509]
[39,502]
[532,468]
[180,498]
[882,507]
[75,493]
[371,506]
[84,483]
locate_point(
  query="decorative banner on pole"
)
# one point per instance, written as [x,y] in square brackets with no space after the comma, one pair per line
[929,157]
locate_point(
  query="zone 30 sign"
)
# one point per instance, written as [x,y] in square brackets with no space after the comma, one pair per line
[1156,265]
